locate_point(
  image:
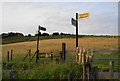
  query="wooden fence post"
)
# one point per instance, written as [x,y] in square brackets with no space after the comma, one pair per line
[11,54]
[87,65]
[96,72]
[88,70]
[92,54]
[111,69]
[61,56]
[8,56]
[84,64]
[93,73]
[80,57]
[83,56]
[87,56]
[64,50]
[29,52]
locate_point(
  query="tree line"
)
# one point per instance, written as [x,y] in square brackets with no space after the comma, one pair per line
[13,34]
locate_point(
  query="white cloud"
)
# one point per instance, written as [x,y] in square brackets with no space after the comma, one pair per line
[25,17]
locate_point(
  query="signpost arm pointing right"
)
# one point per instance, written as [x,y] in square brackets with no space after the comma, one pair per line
[76,30]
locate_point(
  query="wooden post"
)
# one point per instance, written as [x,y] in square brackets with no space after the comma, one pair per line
[96,72]
[84,64]
[77,59]
[80,57]
[11,54]
[77,49]
[92,54]
[76,30]
[77,55]
[61,56]
[83,56]
[64,50]
[37,55]
[29,52]
[8,56]
[51,55]
[88,70]
[87,56]
[87,65]
[111,69]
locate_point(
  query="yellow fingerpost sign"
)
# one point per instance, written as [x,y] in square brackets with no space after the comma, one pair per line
[83,15]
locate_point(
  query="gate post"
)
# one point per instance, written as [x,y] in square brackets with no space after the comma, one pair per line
[29,52]
[11,54]
[111,69]
[64,50]
[8,56]
[84,65]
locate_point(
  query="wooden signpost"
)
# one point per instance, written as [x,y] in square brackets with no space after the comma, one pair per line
[75,22]
[37,50]
[76,30]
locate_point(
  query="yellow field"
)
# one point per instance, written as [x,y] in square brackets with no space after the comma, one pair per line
[55,45]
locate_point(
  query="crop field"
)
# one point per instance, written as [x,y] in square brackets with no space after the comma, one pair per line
[55,44]
[46,68]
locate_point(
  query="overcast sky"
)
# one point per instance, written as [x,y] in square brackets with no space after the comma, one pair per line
[25,17]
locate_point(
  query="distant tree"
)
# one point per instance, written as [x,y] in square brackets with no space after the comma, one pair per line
[62,33]
[26,36]
[19,34]
[65,34]
[11,34]
[56,33]
[4,35]
[37,34]
[29,35]
[68,34]
[45,34]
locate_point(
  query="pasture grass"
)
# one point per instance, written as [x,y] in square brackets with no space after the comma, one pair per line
[47,68]
[102,60]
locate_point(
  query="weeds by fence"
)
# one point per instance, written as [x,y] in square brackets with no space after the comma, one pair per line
[83,62]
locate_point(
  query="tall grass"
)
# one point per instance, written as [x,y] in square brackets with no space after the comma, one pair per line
[45,69]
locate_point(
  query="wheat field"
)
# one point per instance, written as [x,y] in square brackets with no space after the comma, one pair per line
[56,44]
